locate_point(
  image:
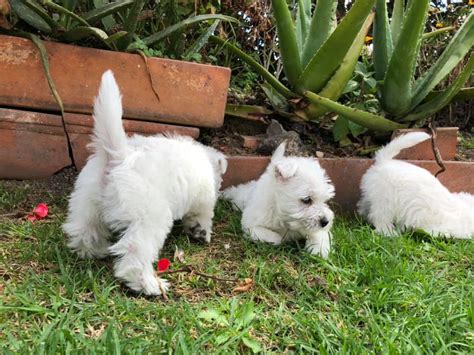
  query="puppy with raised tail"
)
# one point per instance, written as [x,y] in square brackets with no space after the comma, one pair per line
[397,196]
[137,187]
[289,201]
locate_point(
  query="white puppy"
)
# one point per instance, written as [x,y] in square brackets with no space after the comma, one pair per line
[289,201]
[399,195]
[137,187]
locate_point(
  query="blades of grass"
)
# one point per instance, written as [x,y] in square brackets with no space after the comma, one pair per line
[396,23]
[81,32]
[444,98]
[34,15]
[397,90]
[303,21]
[335,86]
[383,45]
[287,41]
[363,118]
[270,78]
[457,48]
[158,36]
[105,10]
[66,12]
[325,62]
[320,29]
[130,24]
[201,41]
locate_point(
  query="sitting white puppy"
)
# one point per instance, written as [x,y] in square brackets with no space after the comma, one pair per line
[287,202]
[399,195]
[138,186]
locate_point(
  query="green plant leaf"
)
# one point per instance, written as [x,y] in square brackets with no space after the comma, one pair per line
[62,10]
[81,32]
[340,130]
[249,112]
[320,29]
[278,101]
[443,98]
[338,82]
[222,338]
[396,93]
[437,32]
[106,10]
[383,45]
[287,41]
[214,316]
[325,62]
[269,77]
[130,24]
[158,36]
[396,23]
[253,344]
[34,15]
[363,118]
[457,48]
[201,41]
[303,21]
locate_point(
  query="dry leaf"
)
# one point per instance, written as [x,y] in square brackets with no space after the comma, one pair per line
[178,255]
[244,287]
[95,333]
[319,154]
[1,288]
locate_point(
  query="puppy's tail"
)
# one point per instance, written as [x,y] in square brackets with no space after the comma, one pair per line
[109,135]
[398,144]
[239,195]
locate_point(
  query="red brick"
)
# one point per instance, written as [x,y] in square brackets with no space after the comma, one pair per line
[190,94]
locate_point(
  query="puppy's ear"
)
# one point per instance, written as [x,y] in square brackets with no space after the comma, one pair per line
[285,171]
[279,153]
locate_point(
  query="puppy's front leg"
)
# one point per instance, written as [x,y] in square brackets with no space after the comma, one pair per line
[263,234]
[319,243]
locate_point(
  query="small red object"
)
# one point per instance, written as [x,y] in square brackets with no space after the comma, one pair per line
[163,265]
[41,210]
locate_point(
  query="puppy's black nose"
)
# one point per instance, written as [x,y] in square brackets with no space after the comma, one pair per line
[324,222]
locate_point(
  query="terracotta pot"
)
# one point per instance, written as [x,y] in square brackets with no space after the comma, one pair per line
[34,144]
[346,175]
[190,94]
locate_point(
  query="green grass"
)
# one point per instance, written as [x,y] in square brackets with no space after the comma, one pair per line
[375,294]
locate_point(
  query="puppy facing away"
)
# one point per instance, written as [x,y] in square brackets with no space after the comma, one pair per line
[289,201]
[400,195]
[137,187]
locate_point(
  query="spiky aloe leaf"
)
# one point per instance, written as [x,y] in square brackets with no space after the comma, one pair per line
[64,11]
[130,24]
[383,45]
[249,112]
[335,87]
[320,29]
[396,94]
[201,41]
[363,118]
[457,48]
[396,24]
[287,41]
[34,15]
[269,77]
[105,10]
[444,98]
[328,58]
[303,21]
[81,32]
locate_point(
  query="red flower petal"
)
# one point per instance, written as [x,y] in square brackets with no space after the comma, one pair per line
[41,210]
[31,217]
[163,265]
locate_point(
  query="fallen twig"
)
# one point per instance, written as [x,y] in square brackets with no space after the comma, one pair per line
[434,146]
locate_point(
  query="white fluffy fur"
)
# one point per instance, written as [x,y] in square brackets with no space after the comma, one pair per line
[137,187]
[272,207]
[397,195]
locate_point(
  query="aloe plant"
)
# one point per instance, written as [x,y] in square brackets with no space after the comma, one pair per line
[317,56]
[403,97]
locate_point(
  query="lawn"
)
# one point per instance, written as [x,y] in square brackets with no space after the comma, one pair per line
[402,295]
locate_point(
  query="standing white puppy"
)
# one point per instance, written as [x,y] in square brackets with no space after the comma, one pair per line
[289,201]
[399,195]
[137,187]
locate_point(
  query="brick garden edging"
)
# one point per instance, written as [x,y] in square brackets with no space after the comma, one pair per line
[346,174]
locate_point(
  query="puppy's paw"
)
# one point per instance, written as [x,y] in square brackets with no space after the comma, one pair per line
[154,286]
[319,243]
[199,233]
[319,250]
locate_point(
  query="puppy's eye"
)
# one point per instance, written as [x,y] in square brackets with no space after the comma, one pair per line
[307,200]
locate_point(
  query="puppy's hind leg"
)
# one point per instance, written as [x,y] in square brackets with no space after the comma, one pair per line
[137,250]
[262,234]
[198,222]
[382,219]
[87,234]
